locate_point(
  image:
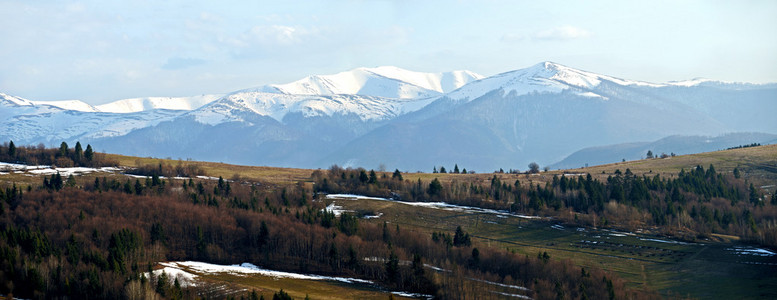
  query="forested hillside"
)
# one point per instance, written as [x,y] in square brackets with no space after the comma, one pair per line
[690,205]
[97,236]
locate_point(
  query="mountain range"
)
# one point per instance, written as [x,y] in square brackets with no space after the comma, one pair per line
[412,120]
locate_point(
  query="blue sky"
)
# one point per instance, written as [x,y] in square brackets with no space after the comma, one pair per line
[99,51]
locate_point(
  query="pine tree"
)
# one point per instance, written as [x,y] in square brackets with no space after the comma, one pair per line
[649,154]
[89,153]
[461,238]
[456,169]
[79,153]
[392,266]
[435,187]
[397,175]
[373,178]
[63,150]
[442,170]
[11,150]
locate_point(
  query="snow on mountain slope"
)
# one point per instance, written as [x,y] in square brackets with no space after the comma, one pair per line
[690,82]
[8,101]
[32,122]
[76,105]
[545,77]
[149,103]
[120,106]
[11,106]
[440,82]
[68,125]
[234,106]
[387,82]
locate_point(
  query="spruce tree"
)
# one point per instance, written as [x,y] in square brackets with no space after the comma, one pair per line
[11,150]
[456,169]
[89,153]
[435,188]
[397,175]
[79,153]
[373,178]
[63,150]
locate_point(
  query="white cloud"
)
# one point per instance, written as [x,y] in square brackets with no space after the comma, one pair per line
[562,33]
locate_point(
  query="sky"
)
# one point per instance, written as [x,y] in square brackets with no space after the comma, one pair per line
[101,51]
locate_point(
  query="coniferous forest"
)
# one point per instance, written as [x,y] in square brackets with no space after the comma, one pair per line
[97,238]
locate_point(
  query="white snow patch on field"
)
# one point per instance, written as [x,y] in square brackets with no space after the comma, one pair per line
[49,170]
[413,295]
[435,205]
[512,295]
[19,167]
[336,210]
[501,284]
[374,216]
[250,269]
[184,278]
[752,251]
[664,241]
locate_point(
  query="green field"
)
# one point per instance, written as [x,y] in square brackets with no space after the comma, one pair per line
[704,269]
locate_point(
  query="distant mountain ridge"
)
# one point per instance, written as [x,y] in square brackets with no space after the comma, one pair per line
[403,119]
[678,145]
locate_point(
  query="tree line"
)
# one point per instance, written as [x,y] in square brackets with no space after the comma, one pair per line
[64,156]
[96,238]
[692,204]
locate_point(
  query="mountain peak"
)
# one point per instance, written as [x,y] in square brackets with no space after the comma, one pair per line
[383,81]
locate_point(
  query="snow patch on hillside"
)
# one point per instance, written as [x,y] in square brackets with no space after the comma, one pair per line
[49,170]
[245,269]
[435,205]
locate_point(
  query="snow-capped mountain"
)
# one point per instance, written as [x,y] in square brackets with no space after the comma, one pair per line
[403,119]
[545,77]
[150,103]
[277,106]
[120,106]
[385,82]
[50,122]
